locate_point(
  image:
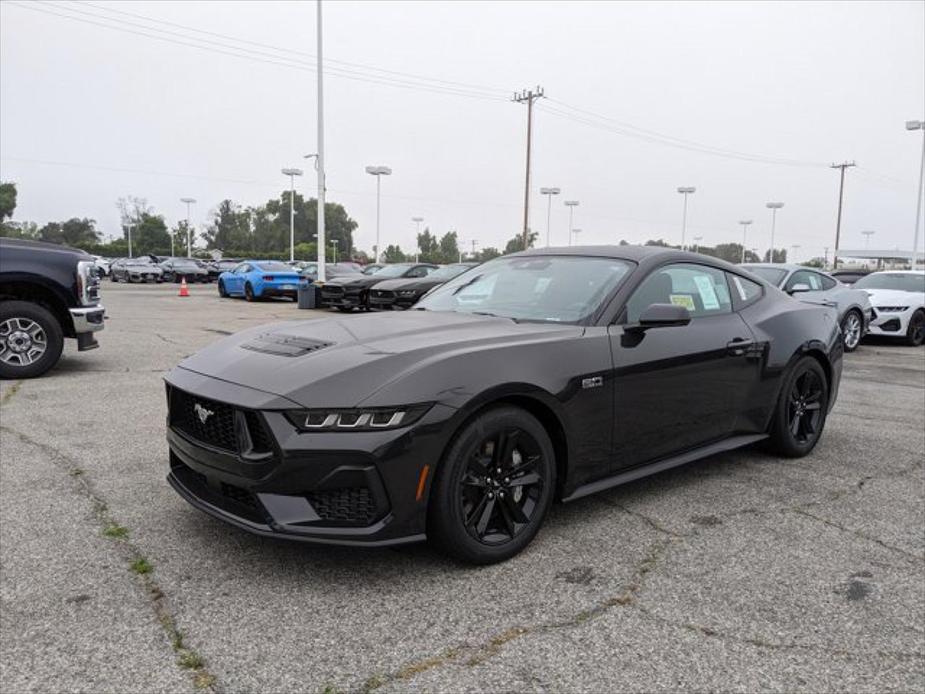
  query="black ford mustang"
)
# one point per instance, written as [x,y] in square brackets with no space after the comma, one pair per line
[549,374]
[404,293]
[352,291]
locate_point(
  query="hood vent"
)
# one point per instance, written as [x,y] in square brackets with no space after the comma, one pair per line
[284,345]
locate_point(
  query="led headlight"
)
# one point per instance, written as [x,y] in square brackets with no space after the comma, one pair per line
[892,309]
[407,292]
[365,419]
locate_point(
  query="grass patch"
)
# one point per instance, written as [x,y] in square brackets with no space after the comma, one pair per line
[373,683]
[190,660]
[116,531]
[203,680]
[141,566]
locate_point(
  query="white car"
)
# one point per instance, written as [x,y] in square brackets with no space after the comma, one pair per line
[898,299]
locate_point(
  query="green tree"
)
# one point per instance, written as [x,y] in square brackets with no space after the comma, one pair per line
[394,254]
[814,262]
[151,235]
[7,200]
[428,247]
[229,229]
[780,256]
[449,248]
[516,244]
[178,234]
[487,254]
[20,230]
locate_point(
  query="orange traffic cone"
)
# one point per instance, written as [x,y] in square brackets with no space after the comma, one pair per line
[184,290]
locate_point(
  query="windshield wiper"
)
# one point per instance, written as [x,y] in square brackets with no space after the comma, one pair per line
[463,286]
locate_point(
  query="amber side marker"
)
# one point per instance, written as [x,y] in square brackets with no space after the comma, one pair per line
[421,482]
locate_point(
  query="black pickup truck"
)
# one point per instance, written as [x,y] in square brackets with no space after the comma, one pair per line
[47,293]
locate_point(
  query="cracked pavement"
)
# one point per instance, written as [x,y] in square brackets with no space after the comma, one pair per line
[743,572]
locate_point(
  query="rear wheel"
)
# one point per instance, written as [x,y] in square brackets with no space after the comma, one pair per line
[915,334]
[31,340]
[851,329]
[801,410]
[494,488]
[249,292]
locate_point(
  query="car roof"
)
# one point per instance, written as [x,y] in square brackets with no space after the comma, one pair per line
[784,266]
[899,272]
[639,254]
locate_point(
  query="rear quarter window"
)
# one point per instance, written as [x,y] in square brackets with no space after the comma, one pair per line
[744,291]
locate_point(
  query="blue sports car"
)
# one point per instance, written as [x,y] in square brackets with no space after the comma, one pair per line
[255,279]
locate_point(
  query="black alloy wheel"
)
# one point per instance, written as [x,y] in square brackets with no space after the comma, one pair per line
[222,292]
[249,292]
[494,488]
[851,329]
[915,334]
[801,409]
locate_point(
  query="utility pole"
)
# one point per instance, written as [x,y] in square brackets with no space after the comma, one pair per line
[321,181]
[774,207]
[841,194]
[334,243]
[129,227]
[528,97]
[473,242]
[696,239]
[918,125]
[292,173]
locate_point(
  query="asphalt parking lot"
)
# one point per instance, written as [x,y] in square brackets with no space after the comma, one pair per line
[743,572]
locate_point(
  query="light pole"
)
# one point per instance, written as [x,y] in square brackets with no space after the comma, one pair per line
[334,243]
[867,235]
[918,125]
[685,191]
[576,232]
[322,185]
[744,223]
[696,239]
[189,234]
[130,227]
[549,192]
[378,172]
[571,205]
[774,207]
[292,173]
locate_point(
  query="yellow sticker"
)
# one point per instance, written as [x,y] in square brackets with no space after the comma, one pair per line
[685,300]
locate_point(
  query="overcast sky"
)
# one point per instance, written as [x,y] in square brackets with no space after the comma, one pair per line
[90,113]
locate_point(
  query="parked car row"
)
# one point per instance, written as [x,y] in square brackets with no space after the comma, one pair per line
[153,268]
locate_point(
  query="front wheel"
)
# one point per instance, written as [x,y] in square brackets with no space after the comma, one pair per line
[493,488]
[915,333]
[222,292]
[801,410]
[31,340]
[851,329]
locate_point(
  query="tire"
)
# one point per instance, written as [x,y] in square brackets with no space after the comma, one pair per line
[345,309]
[802,406]
[221,290]
[467,486]
[915,333]
[249,292]
[27,324]
[852,327]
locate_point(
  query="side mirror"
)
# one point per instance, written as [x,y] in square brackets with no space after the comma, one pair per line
[660,316]
[799,287]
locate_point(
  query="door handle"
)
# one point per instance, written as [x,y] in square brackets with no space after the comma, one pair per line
[739,346]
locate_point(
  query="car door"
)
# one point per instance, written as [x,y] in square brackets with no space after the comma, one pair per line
[237,278]
[679,387]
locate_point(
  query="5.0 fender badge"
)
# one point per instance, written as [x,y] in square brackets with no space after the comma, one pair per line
[593,382]
[203,413]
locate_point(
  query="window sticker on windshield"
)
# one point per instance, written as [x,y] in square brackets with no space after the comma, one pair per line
[685,300]
[707,293]
[738,283]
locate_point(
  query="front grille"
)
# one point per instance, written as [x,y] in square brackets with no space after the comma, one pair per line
[335,291]
[260,439]
[217,430]
[349,505]
[383,294]
[241,496]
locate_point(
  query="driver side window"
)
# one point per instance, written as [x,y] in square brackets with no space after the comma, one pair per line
[700,289]
[810,279]
[241,269]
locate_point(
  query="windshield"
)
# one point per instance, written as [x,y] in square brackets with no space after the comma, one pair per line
[185,263]
[561,289]
[392,271]
[902,281]
[773,275]
[274,266]
[448,272]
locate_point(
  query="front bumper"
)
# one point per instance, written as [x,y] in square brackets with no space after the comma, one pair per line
[392,302]
[891,324]
[361,488]
[345,300]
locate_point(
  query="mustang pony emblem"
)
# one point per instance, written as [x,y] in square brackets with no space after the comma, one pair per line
[203,413]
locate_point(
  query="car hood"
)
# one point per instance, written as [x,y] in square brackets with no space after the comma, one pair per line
[418,283]
[339,362]
[358,280]
[894,297]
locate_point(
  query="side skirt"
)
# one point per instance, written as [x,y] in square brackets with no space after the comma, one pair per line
[664,464]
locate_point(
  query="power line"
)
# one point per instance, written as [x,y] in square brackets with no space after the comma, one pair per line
[499,91]
[252,55]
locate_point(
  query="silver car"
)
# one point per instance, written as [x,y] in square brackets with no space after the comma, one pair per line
[854,309]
